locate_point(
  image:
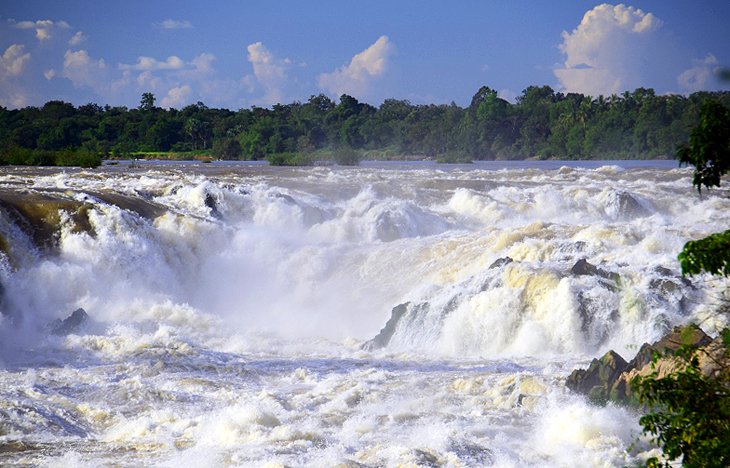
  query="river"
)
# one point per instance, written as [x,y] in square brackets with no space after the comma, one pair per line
[392,314]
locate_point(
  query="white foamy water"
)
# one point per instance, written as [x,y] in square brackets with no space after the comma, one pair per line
[234,310]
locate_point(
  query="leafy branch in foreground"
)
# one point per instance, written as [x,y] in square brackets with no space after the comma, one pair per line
[709,146]
[710,254]
[689,415]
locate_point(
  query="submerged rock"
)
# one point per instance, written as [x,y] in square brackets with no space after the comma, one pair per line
[70,324]
[38,215]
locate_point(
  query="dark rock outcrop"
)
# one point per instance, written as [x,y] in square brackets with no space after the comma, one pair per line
[382,339]
[597,380]
[583,268]
[609,378]
[211,203]
[500,262]
[622,205]
[70,324]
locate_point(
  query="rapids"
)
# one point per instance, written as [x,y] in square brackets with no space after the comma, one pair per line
[392,314]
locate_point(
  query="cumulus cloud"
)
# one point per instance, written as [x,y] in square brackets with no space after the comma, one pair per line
[13,61]
[270,72]
[356,77]
[174,24]
[43,28]
[697,77]
[49,74]
[84,71]
[203,63]
[150,64]
[176,97]
[77,38]
[609,51]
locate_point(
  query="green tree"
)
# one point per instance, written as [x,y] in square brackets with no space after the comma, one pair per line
[690,410]
[148,102]
[708,149]
[227,148]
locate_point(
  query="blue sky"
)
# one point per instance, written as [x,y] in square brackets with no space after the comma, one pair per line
[236,54]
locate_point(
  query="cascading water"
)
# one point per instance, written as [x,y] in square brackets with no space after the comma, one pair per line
[380,315]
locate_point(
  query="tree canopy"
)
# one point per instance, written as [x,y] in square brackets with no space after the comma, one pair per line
[542,123]
[690,409]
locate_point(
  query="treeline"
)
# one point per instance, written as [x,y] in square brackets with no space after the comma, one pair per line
[542,123]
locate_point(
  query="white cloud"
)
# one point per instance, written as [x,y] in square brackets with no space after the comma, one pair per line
[174,24]
[356,77]
[13,61]
[43,28]
[49,74]
[269,71]
[148,63]
[77,38]
[83,71]
[203,63]
[695,78]
[609,51]
[176,97]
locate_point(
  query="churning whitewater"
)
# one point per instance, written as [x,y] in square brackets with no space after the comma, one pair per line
[403,314]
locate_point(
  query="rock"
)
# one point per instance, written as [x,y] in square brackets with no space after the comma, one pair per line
[212,205]
[472,454]
[70,324]
[427,458]
[500,262]
[382,339]
[609,379]
[622,205]
[688,335]
[597,380]
[583,268]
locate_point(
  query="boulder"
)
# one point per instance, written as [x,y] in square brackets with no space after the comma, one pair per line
[597,380]
[622,205]
[583,268]
[609,378]
[70,324]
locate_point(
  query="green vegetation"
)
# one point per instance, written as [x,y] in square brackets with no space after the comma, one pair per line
[709,146]
[691,414]
[541,123]
[290,159]
[37,157]
[690,409]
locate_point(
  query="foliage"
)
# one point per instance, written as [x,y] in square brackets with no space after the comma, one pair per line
[691,417]
[37,157]
[454,157]
[346,156]
[710,254]
[709,152]
[709,146]
[541,123]
[227,148]
[690,409]
[290,159]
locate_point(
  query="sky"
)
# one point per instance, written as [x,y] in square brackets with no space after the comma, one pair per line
[238,54]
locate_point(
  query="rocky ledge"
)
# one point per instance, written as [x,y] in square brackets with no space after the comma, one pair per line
[609,377]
